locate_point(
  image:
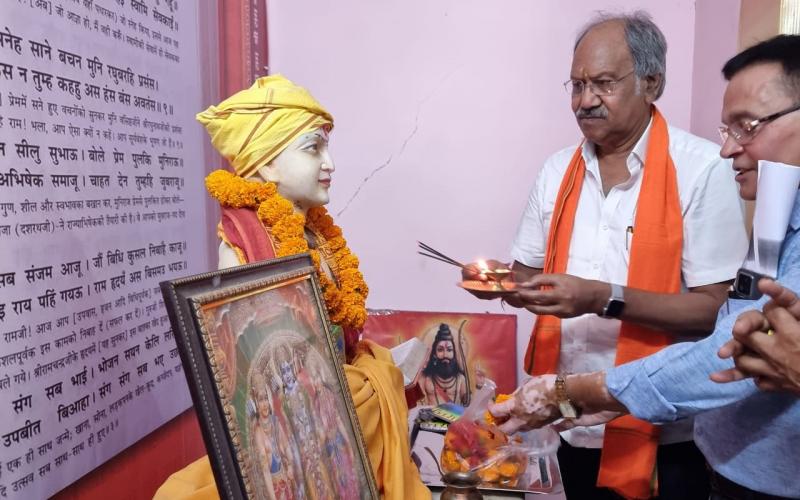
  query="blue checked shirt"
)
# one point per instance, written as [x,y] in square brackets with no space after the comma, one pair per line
[748,436]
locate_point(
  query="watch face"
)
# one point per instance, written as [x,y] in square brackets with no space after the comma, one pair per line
[567,410]
[614,308]
[746,285]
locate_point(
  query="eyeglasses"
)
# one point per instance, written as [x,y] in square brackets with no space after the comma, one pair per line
[744,132]
[600,88]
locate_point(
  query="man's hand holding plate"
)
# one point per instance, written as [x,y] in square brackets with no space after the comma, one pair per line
[562,295]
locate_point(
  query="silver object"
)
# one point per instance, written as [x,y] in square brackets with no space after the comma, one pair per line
[461,486]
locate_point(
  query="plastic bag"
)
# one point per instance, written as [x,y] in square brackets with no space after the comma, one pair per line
[475,445]
[543,473]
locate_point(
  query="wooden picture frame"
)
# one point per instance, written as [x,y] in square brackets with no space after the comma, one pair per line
[270,393]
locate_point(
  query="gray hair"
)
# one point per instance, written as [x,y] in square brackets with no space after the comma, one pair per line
[646,43]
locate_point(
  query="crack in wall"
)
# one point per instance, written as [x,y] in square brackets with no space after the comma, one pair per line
[381,166]
[402,147]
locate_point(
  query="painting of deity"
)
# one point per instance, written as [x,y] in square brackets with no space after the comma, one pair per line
[463,351]
[279,394]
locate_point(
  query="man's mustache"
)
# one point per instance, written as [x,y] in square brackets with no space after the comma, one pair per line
[598,112]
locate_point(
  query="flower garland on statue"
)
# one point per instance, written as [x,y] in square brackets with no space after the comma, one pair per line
[345,302]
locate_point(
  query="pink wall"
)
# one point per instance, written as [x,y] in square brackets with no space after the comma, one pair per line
[715,39]
[444,113]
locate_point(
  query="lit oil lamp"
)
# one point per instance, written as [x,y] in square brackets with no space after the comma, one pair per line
[495,275]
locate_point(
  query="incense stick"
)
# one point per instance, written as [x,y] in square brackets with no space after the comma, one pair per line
[439,254]
[434,257]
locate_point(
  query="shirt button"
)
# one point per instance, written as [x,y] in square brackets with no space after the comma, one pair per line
[605,228]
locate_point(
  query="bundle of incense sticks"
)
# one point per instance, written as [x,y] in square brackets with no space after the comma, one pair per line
[437,255]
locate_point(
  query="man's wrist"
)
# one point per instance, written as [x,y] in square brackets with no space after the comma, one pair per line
[573,385]
[588,392]
[602,295]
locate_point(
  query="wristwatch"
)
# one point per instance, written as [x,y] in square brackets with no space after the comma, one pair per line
[616,303]
[565,406]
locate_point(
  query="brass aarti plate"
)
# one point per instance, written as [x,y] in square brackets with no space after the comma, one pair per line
[489,286]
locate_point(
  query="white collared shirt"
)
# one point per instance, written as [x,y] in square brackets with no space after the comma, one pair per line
[714,242]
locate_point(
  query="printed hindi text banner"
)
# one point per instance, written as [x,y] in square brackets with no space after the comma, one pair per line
[101,198]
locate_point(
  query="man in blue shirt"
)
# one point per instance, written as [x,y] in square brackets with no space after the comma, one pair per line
[750,438]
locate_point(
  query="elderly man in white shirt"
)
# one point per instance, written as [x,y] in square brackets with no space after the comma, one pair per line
[573,253]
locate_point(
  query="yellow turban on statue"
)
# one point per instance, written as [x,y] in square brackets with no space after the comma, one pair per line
[252,127]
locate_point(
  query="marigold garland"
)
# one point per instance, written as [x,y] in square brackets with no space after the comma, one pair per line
[346,303]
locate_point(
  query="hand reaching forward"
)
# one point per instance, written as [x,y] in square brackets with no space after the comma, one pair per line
[533,405]
[587,420]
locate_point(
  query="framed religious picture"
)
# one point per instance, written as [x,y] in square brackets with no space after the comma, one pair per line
[268,387]
[461,351]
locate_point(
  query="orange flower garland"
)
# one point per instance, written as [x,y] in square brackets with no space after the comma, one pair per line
[346,303]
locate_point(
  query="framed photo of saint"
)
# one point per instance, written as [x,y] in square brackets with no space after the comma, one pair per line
[267,384]
[463,351]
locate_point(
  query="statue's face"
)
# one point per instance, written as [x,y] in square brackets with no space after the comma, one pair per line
[303,170]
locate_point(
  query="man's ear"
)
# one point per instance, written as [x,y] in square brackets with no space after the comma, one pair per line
[650,85]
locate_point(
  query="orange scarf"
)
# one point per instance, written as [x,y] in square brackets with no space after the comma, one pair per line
[629,447]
